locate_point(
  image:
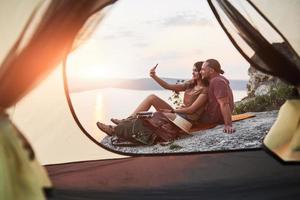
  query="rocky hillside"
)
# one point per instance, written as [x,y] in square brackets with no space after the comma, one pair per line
[265,92]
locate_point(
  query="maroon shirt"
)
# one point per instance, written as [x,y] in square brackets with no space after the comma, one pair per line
[218,88]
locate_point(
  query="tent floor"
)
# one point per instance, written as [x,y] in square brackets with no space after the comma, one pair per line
[231,175]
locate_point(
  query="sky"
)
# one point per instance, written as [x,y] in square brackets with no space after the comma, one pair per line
[137,34]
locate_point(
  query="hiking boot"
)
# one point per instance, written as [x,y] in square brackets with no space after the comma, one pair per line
[108,129]
[117,121]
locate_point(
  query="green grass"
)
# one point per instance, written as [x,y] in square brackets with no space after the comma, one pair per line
[272,101]
[175,147]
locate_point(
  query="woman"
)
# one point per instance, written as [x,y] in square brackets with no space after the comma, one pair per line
[195,98]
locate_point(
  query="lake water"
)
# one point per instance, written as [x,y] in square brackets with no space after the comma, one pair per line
[101,105]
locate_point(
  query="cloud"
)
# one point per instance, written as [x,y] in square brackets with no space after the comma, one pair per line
[164,56]
[181,19]
[119,34]
[133,33]
[133,38]
[186,19]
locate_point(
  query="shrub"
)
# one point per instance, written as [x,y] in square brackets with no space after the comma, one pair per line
[175,147]
[272,101]
[176,98]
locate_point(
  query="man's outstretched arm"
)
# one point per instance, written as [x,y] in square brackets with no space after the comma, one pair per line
[226,113]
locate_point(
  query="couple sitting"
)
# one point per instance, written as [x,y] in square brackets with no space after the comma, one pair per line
[208,99]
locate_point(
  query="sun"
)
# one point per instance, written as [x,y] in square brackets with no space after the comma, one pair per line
[90,65]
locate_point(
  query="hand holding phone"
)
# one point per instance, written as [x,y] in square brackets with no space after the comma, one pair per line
[152,71]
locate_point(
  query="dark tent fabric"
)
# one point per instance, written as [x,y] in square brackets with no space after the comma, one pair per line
[52,39]
[269,57]
[42,44]
[269,51]
[234,175]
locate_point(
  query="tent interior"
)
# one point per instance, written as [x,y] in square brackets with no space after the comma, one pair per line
[80,167]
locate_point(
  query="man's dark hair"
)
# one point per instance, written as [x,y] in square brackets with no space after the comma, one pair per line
[214,64]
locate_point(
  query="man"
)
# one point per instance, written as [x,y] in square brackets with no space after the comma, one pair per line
[220,98]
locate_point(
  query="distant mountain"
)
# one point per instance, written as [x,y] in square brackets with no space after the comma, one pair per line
[135,84]
[238,84]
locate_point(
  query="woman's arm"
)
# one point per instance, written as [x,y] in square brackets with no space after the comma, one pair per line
[198,103]
[168,86]
[164,84]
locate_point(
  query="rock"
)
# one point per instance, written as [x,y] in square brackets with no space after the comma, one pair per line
[265,92]
[260,83]
[249,135]
[262,90]
[255,80]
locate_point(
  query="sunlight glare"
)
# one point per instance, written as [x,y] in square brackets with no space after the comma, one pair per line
[88,67]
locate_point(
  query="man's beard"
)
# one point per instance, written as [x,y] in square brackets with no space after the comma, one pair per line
[205,79]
